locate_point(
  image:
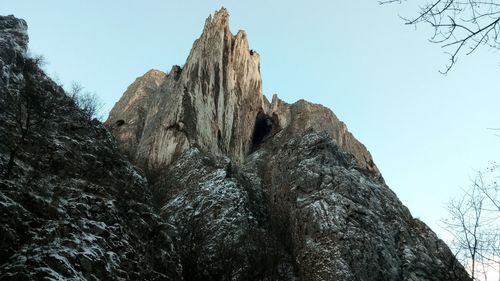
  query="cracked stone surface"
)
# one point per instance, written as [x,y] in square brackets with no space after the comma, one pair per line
[196,176]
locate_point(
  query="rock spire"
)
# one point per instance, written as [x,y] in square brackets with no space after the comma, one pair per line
[215,103]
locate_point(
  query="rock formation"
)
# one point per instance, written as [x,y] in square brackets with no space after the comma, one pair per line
[237,188]
[210,102]
[73,207]
[213,102]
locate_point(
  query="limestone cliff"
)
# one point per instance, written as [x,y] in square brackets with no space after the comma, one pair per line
[214,102]
[211,102]
[237,187]
[263,190]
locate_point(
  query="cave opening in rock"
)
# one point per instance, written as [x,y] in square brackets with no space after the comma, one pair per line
[119,123]
[265,126]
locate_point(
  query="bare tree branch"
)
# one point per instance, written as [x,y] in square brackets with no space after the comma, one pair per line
[474,223]
[460,27]
[88,102]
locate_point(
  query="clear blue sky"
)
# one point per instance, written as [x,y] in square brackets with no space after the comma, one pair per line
[427,132]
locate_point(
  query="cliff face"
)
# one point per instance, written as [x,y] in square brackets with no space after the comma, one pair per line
[214,102]
[238,188]
[265,190]
[72,207]
[211,102]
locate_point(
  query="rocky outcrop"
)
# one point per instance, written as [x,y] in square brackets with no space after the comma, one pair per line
[238,188]
[135,103]
[223,227]
[341,223]
[263,190]
[72,207]
[211,102]
[301,116]
[214,102]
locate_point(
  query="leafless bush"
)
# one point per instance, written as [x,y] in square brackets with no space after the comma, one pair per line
[87,101]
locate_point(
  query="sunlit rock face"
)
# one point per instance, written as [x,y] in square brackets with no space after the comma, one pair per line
[237,187]
[212,102]
[301,116]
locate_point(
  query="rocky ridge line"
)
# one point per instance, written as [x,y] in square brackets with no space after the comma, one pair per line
[214,102]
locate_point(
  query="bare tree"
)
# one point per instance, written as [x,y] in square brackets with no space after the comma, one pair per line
[459,26]
[474,223]
[87,101]
[23,112]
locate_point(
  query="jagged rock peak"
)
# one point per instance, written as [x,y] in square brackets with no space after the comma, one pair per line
[212,102]
[215,102]
[217,47]
[220,18]
[153,75]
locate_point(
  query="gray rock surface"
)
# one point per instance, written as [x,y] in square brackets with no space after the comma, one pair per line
[290,174]
[237,188]
[342,223]
[73,207]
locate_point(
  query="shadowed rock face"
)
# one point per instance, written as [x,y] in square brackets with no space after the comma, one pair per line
[238,188]
[73,207]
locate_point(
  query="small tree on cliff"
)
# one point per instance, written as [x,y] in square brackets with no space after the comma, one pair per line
[23,112]
[88,102]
